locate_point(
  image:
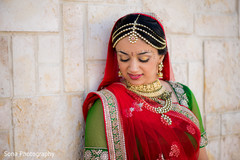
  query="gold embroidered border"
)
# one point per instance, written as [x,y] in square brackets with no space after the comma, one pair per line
[91,153]
[180,93]
[186,112]
[204,140]
[114,131]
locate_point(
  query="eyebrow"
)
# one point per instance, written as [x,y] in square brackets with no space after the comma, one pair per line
[122,52]
[137,54]
[142,53]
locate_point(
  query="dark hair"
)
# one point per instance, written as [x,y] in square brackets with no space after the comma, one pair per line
[155,29]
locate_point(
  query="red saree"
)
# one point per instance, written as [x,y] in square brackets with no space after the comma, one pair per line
[136,133]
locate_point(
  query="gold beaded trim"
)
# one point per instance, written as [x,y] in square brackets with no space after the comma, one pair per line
[133,35]
[154,89]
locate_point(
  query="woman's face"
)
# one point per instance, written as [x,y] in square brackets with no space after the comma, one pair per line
[138,62]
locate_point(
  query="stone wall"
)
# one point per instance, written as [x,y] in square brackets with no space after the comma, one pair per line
[52,53]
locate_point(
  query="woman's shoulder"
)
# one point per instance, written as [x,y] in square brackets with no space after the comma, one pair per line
[182,92]
[96,107]
[179,87]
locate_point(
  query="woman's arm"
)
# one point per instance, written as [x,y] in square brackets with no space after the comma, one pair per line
[95,140]
[203,154]
[95,130]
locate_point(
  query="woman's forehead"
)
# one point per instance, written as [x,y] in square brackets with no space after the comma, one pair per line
[138,53]
[139,46]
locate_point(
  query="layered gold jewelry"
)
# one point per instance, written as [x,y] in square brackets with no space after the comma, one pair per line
[133,34]
[155,92]
[148,90]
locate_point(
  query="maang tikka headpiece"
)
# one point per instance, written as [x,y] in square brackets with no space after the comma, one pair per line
[134,35]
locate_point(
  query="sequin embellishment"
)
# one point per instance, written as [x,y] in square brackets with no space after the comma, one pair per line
[190,129]
[175,151]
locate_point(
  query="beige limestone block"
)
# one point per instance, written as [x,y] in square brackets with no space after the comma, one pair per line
[81,0]
[23,65]
[5,146]
[49,123]
[223,6]
[128,2]
[222,76]
[176,16]
[5,114]
[133,1]
[5,72]
[101,19]
[230,123]
[95,74]
[110,1]
[29,15]
[186,48]
[230,147]
[214,149]
[73,62]
[49,49]
[73,16]
[49,78]
[180,71]
[114,1]
[213,125]
[195,81]
[73,26]
[217,25]
[169,45]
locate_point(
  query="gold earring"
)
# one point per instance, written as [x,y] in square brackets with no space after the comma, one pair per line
[160,68]
[119,73]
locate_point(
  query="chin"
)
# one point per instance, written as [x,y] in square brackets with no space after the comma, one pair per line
[136,82]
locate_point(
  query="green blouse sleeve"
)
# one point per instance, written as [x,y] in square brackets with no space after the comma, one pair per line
[95,139]
[193,106]
[95,130]
[188,99]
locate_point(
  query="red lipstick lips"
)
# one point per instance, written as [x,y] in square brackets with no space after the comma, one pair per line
[135,76]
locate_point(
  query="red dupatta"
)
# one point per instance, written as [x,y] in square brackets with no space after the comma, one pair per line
[146,136]
[111,69]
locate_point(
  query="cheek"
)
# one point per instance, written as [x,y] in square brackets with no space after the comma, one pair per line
[153,64]
[119,62]
[151,68]
[122,66]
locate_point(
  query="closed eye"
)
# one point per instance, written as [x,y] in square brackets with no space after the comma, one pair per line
[124,57]
[124,60]
[144,61]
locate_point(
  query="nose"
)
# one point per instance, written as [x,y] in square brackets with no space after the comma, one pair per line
[133,66]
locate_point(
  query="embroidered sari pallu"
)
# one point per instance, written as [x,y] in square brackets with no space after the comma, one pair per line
[133,132]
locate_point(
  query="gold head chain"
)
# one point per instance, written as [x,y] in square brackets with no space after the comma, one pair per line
[133,34]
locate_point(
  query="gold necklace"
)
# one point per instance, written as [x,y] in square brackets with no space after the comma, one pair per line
[158,110]
[154,89]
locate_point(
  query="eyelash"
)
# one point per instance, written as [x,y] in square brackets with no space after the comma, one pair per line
[143,61]
[124,60]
